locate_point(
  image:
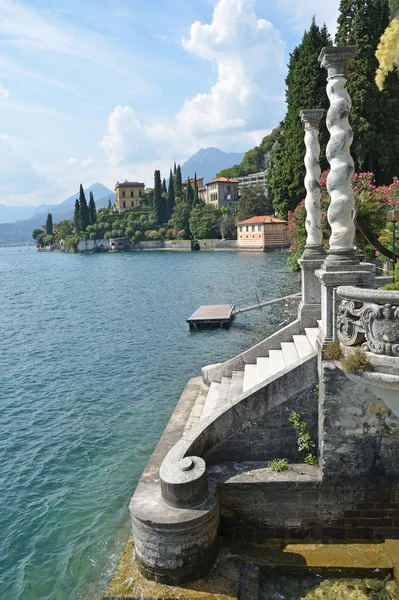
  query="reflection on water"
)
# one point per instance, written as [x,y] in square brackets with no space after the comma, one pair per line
[315,585]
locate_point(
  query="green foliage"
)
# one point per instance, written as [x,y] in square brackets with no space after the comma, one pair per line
[278,464]
[70,243]
[84,217]
[92,210]
[204,222]
[109,204]
[36,232]
[170,201]
[227,224]
[305,443]
[164,190]
[333,351]
[374,114]
[306,88]
[178,183]
[189,194]
[356,361]
[49,224]
[195,191]
[255,160]
[65,229]
[253,202]
[159,202]
[40,239]
[180,217]
[76,217]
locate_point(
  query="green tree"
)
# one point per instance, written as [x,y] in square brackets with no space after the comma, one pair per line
[306,88]
[195,191]
[189,193]
[164,189]
[253,202]
[159,201]
[204,222]
[65,229]
[227,224]
[36,233]
[178,183]
[92,210]
[84,218]
[76,217]
[255,160]
[373,118]
[109,204]
[49,224]
[180,217]
[170,201]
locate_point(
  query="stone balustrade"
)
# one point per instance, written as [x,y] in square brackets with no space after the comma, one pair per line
[369,317]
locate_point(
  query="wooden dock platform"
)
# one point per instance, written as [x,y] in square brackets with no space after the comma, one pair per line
[214,315]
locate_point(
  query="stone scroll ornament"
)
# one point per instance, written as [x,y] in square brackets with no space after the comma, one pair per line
[311,120]
[342,207]
[370,318]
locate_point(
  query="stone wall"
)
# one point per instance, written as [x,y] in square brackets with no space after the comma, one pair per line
[217,244]
[93,246]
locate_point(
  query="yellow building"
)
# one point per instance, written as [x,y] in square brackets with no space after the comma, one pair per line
[129,194]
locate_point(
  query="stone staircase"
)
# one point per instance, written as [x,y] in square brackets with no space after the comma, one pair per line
[222,395]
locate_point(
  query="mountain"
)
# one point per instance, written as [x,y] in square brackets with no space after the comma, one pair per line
[21,231]
[209,161]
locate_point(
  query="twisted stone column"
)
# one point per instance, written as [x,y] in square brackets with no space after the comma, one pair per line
[341,211]
[311,120]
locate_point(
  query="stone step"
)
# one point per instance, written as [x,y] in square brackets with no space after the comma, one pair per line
[289,352]
[236,386]
[312,333]
[320,324]
[263,368]
[197,409]
[250,377]
[302,345]
[277,363]
[223,397]
[211,401]
[248,588]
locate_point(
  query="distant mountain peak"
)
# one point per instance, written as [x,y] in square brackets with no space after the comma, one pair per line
[209,161]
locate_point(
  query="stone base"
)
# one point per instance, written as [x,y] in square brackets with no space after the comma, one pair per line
[332,275]
[310,307]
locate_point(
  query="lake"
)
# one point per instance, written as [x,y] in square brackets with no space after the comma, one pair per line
[95,353]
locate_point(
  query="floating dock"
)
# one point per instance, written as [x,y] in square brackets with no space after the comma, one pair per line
[213,315]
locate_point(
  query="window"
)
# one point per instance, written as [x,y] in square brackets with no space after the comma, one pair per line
[123,194]
[132,194]
[123,204]
[139,193]
[132,203]
[259,227]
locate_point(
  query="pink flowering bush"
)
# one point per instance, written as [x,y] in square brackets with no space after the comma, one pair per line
[372,204]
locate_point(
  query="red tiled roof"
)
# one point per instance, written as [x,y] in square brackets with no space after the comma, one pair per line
[263,219]
[223,179]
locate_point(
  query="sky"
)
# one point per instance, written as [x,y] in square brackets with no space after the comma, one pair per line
[107,90]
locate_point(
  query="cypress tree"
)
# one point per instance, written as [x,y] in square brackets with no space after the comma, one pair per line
[164,189]
[109,204]
[49,224]
[178,183]
[158,196]
[306,88]
[170,201]
[92,210]
[373,118]
[195,191]
[76,216]
[83,210]
[189,194]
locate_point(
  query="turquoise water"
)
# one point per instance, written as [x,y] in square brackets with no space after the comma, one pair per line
[94,354]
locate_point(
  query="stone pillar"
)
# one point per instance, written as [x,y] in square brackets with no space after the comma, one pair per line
[314,255]
[342,266]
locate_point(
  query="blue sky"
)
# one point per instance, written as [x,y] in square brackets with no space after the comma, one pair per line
[102,90]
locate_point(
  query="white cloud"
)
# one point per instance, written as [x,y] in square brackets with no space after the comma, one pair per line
[3,92]
[72,161]
[246,101]
[88,162]
[299,14]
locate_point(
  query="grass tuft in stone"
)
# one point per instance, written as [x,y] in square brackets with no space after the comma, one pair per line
[333,351]
[278,464]
[356,362]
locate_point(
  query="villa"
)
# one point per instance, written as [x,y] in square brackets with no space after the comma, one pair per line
[262,233]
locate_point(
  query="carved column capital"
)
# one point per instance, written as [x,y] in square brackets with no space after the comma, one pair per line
[311,118]
[337,60]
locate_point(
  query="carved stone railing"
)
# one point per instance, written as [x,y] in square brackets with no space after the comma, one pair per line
[369,317]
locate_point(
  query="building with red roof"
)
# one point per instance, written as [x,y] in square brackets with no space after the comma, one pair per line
[262,233]
[222,191]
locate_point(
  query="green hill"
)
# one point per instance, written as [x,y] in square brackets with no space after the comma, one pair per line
[254,160]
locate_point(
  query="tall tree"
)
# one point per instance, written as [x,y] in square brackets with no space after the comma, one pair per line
[49,224]
[164,189]
[158,200]
[253,202]
[83,210]
[373,118]
[195,191]
[109,204]
[189,193]
[170,201]
[178,183]
[305,88]
[76,216]
[92,210]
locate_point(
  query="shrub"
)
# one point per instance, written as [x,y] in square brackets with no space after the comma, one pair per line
[356,361]
[304,441]
[333,351]
[278,464]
